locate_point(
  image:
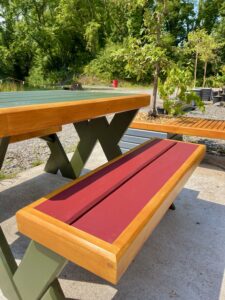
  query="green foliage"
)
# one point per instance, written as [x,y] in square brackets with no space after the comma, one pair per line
[108,64]
[92,36]
[217,81]
[174,91]
[10,87]
[47,42]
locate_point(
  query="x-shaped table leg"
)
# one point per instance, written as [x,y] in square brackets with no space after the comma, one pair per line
[91,131]
[4,143]
[36,276]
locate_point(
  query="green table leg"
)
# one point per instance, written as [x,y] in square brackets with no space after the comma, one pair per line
[89,132]
[84,148]
[4,143]
[8,268]
[109,134]
[36,276]
[58,159]
[37,271]
[54,292]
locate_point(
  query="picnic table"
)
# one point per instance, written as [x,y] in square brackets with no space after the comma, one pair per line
[101,220]
[25,115]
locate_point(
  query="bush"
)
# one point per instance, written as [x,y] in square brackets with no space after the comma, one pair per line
[108,64]
[174,91]
[10,87]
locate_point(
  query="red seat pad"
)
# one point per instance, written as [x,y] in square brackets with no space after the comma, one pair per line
[73,202]
[111,216]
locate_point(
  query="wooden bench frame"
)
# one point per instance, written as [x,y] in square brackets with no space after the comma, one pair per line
[56,242]
[214,129]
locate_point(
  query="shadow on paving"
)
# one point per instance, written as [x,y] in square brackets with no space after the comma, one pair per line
[183,258]
[20,195]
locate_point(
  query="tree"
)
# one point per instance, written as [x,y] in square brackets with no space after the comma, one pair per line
[180,20]
[174,91]
[196,40]
[155,20]
[209,45]
[208,14]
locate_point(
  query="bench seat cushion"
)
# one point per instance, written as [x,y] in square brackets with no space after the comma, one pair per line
[114,208]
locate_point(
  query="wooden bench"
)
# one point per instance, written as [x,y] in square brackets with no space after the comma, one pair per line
[101,220]
[214,129]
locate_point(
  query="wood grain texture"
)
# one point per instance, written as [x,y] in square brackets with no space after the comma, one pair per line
[106,260]
[30,135]
[22,119]
[188,126]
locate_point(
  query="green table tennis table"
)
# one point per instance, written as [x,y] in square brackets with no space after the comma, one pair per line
[39,113]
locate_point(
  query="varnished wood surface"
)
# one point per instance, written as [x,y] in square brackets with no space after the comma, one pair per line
[30,135]
[187,126]
[30,117]
[109,261]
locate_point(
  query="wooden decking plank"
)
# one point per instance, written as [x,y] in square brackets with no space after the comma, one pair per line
[212,123]
[204,124]
[223,127]
[183,122]
[198,123]
[218,125]
[209,124]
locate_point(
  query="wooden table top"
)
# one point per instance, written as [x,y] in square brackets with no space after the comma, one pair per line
[22,112]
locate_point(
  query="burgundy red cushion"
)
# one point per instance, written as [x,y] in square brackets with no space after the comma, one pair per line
[104,203]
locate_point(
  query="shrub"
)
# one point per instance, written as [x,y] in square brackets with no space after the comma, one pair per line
[10,87]
[174,91]
[108,64]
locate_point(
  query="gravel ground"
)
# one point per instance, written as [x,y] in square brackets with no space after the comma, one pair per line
[212,111]
[24,155]
[30,153]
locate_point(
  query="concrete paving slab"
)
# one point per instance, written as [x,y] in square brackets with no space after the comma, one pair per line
[183,259]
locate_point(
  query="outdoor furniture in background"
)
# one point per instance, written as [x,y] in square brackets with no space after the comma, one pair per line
[219,95]
[214,129]
[23,114]
[204,93]
[100,221]
[217,98]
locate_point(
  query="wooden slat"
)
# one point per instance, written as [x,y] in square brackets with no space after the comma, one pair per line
[213,124]
[145,133]
[127,145]
[184,122]
[199,123]
[202,124]
[218,125]
[134,139]
[30,135]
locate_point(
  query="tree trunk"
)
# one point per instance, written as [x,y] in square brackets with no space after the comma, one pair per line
[205,70]
[155,89]
[196,65]
[157,65]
